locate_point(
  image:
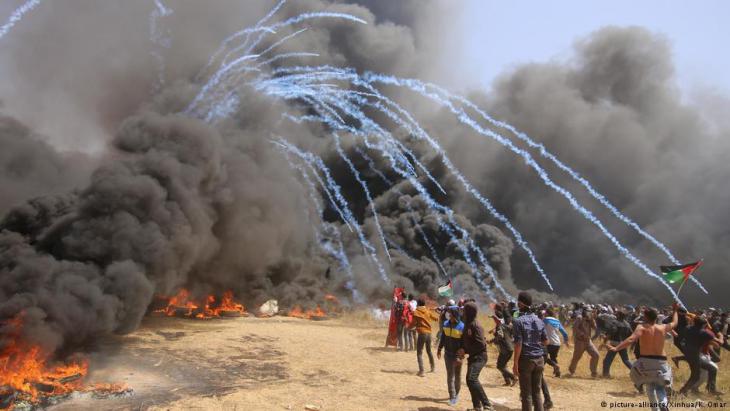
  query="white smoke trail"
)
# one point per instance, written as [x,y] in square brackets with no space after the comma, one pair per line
[301,83]
[588,215]
[378,131]
[577,177]
[416,225]
[415,129]
[365,189]
[316,162]
[372,128]
[17,15]
[550,156]
[328,228]
[159,38]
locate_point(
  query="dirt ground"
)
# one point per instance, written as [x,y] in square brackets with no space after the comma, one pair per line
[286,363]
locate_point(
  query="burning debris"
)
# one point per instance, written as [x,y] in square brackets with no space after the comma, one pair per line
[309,314]
[183,305]
[329,308]
[28,376]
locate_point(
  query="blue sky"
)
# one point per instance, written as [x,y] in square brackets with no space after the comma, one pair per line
[503,34]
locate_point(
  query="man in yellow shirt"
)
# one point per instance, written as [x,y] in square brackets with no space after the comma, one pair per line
[422,318]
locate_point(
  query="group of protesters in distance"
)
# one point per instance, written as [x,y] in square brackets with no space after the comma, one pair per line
[531,336]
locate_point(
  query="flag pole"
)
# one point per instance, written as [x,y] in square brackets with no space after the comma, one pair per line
[682,285]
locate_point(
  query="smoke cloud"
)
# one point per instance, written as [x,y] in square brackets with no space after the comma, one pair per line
[175,202]
[170,202]
[613,113]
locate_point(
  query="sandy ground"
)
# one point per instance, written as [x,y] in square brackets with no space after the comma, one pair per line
[285,363]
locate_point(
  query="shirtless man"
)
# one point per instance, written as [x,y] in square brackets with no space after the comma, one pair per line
[651,368]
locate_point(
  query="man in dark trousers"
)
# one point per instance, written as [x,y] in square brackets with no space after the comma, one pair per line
[475,344]
[451,342]
[503,339]
[554,329]
[422,318]
[616,331]
[530,338]
[679,333]
[696,337]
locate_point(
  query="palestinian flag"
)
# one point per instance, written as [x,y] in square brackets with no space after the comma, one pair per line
[446,290]
[676,273]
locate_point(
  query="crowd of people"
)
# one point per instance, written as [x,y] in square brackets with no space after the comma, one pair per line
[531,336]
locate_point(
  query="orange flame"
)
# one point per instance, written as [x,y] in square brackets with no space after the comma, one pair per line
[306,314]
[25,368]
[182,305]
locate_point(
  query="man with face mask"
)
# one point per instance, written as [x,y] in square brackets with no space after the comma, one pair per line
[476,346]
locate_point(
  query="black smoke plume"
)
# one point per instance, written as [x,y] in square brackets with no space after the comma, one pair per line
[175,202]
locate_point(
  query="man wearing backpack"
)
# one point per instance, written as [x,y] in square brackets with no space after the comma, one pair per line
[616,331]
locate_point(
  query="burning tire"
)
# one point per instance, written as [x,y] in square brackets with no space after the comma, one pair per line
[7,396]
[182,311]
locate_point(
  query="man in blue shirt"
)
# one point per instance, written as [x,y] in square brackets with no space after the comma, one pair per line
[530,339]
[450,341]
[554,329]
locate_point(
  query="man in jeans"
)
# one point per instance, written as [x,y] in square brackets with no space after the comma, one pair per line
[407,323]
[616,331]
[530,339]
[422,318]
[651,368]
[450,341]
[475,345]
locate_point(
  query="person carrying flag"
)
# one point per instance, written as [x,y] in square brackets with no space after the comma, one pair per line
[651,367]
[396,311]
